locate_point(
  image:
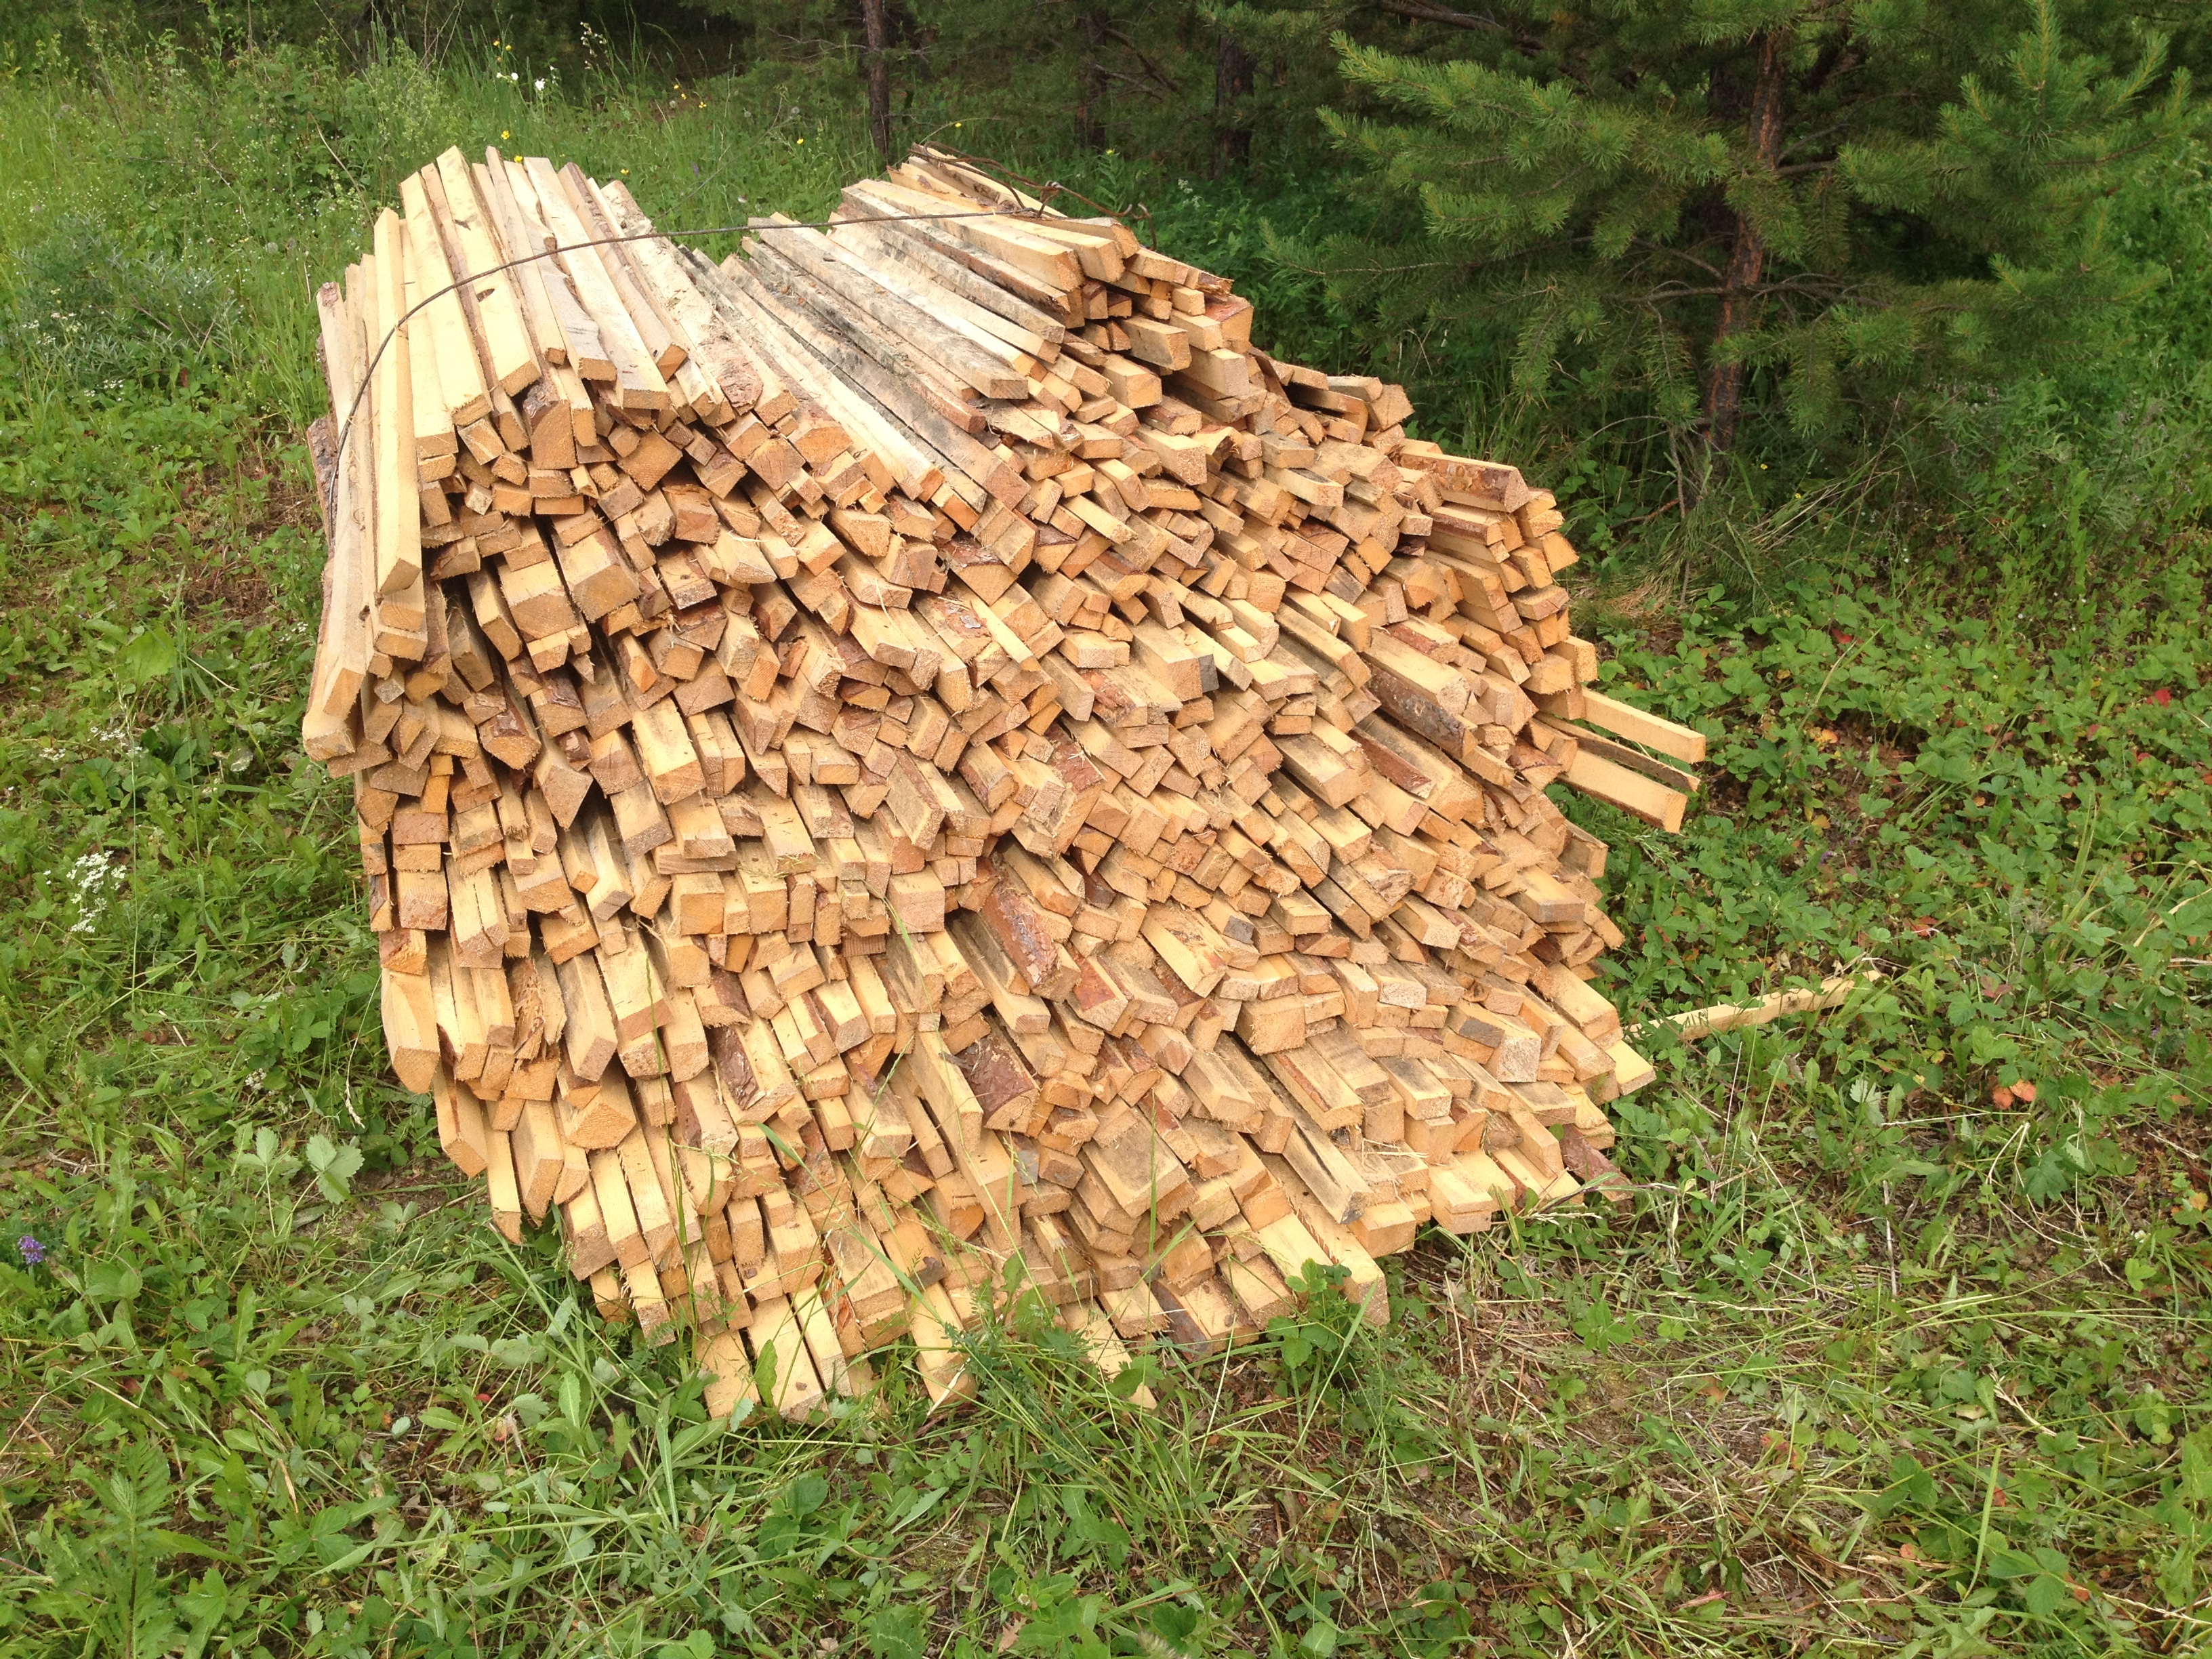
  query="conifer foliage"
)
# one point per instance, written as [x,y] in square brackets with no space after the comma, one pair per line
[1726,206]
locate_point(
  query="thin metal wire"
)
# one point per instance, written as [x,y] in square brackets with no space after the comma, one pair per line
[368,371]
[1048,191]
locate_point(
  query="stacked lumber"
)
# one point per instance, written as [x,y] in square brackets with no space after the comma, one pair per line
[920,748]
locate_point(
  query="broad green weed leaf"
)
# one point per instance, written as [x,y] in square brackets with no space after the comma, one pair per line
[151,656]
[204,1604]
[335,1166]
[2046,1594]
[898,1632]
[112,1281]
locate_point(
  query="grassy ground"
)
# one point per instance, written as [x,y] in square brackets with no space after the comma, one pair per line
[1880,1360]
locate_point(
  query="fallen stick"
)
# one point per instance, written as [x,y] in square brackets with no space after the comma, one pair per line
[1730,1017]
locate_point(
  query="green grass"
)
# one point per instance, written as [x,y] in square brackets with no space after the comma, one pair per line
[1871,1365]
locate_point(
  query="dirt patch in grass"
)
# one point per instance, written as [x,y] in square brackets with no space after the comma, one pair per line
[229,583]
[230,517]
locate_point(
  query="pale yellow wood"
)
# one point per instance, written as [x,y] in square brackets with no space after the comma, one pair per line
[440,327]
[1833,993]
[398,527]
[507,337]
[1638,725]
[566,333]
[1101,822]
[342,646]
[1631,791]
[638,382]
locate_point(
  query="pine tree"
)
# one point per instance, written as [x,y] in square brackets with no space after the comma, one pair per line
[1039,78]
[875,63]
[1730,205]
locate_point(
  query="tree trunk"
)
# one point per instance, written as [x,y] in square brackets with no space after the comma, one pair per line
[1232,126]
[879,77]
[1746,265]
[1091,79]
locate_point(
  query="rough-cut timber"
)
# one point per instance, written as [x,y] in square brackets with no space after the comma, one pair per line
[922,746]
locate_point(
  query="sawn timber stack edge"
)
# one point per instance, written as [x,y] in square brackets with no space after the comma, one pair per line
[920,746]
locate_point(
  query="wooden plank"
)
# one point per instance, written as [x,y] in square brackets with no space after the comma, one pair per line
[342,643]
[574,339]
[731,1389]
[441,328]
[1638,726]
[1043,261]
[398,529]
[637,379]
[1620,754]
[1631,791]
[498,319]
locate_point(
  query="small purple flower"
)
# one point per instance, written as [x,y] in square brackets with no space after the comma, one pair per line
[32,1252]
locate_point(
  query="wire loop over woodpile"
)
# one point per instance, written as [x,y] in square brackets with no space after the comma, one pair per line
[700,231]
[919,755]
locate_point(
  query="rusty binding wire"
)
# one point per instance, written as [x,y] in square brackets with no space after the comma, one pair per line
[1046,191]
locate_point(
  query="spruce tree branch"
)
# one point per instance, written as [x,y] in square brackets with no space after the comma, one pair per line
[2108,158]
[1425,12]
[1150,68]
[1810,284]
[1136,81]
[1375,268]
[1835,65]
[1526,256]
[1683,254]
[1856,118]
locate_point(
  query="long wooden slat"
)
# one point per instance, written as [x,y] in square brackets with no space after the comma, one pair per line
[1638,725]
[342,645]
[398,531]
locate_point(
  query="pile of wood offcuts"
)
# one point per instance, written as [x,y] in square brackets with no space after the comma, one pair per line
[920,747]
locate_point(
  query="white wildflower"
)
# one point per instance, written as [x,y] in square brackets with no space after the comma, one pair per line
[92,881]
[120,736]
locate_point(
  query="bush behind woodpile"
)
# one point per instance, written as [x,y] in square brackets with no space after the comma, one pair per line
[257,168]
[86,314]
